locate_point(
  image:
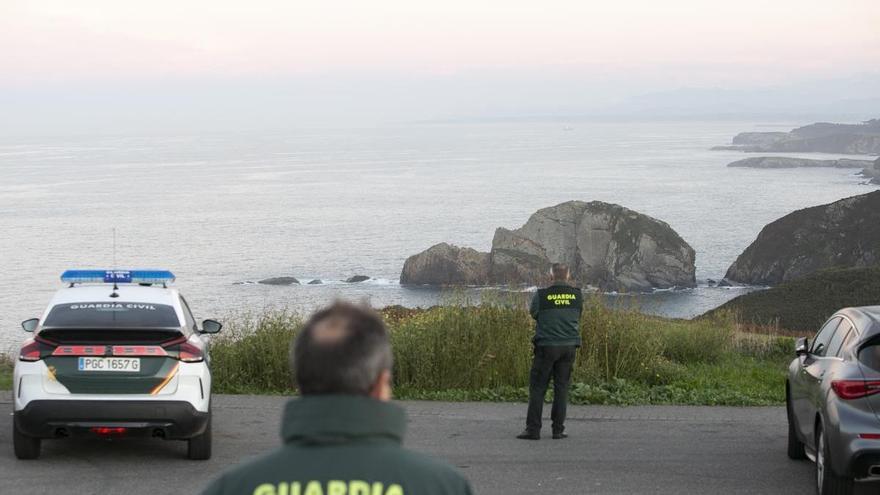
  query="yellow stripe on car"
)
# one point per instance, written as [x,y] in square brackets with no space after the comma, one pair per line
[166,380]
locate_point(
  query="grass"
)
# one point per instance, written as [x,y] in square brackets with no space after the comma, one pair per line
[801,306]
[5,372]
[483,352]
[743,382]
[462,352]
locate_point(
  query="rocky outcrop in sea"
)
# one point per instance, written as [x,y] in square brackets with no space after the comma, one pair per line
[279,281]
[446,265]
[843,234]
[789,162]
[606,245]
[824,137]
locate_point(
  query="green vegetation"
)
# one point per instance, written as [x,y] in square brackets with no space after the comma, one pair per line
[5,372]
[483,353]
[803,305]
[744,382]
[462,352]
[252,355]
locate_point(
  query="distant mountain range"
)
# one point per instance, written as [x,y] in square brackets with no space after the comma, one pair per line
[807,101]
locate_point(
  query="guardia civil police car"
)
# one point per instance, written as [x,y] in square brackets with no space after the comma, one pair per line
[116,353]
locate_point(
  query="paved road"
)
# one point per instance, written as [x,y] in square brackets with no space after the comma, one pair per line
[674,450]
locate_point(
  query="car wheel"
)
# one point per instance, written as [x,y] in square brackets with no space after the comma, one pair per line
[25,447]
[199,448]
[827,481]
[795,446]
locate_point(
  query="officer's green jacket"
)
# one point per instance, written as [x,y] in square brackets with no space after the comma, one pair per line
[557,310]
[341,445]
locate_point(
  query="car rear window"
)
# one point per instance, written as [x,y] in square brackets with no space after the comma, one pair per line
[836,343]
[112,315]
[870,356]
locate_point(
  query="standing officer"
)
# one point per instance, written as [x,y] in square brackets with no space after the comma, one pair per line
[343,435]
[557,310]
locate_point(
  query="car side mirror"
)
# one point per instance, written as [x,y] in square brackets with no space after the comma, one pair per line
[30,325]
[211,326]
[802,346]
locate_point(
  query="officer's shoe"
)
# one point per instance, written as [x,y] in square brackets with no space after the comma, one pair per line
[559,436]
[529,435]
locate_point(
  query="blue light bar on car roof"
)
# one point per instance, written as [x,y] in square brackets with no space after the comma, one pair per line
[117,277]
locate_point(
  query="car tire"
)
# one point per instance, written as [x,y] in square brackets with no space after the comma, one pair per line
[199,447]
[795,446]
[26,447]
[827,481]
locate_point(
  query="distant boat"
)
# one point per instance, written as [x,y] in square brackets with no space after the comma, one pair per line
[568,128]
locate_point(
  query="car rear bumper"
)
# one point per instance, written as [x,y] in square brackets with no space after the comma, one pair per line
[863,462]
[33,382]
[174,420]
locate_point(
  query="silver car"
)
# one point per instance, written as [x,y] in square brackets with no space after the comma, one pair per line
[833,400]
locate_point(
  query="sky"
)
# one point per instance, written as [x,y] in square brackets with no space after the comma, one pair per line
[197,62]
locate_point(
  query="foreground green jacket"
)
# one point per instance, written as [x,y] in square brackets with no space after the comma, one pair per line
[557,309]
[341,445]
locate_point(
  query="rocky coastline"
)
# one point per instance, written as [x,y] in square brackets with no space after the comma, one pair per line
[823,137]
[778,162]
[843,234]
[873,172]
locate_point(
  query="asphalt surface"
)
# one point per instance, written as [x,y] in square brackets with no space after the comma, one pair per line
[674,450]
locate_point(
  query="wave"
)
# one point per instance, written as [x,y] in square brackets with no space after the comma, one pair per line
[305,282]
[395,283]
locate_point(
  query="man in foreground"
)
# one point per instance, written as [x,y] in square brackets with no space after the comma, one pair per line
[557,311]
[342,436]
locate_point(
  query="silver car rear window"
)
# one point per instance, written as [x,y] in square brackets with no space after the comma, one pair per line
[870,356]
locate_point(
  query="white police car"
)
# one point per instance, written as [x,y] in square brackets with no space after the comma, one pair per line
[117,353]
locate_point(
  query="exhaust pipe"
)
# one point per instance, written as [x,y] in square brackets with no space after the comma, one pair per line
[874,470]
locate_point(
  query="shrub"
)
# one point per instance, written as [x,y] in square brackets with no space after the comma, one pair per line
[616,343]
[764,346]
[701,341]
[252,353]
[462,347]
[6,366]
[483,352]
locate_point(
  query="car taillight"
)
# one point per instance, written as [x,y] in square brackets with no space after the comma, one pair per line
[189,353]
[109,431]
[34,349]
[854,389]
[31,351]
[186,352]
[80,350]
[138,350]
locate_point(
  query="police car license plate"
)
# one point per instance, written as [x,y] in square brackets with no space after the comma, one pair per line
[109,364]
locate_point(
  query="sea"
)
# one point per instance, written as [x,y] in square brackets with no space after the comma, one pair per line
[223,211]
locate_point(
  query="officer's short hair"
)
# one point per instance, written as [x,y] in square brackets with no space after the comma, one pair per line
[560,271]
[342,349]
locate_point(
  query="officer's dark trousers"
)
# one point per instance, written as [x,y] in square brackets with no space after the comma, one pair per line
[555,362]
